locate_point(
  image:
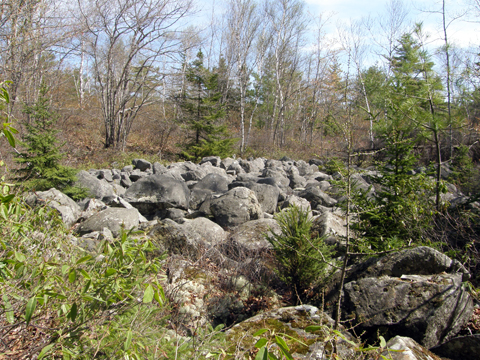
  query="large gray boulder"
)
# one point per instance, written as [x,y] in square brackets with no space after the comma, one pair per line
[330,225]
[99,189]
[113,219]
[210,169]
[296,180]
[416,292]
[105,174]
[235,168]
[460,348]
[69,211]
[317,197]
[322,185]
[320,176]
[211,233]
[210,184]
[90,207]
[247,177]
[141,164]
[136,175]
[274,164]
[250,238]
[214,160]
[176,239]
[253,166]
[198,197]
[275,177]
[125,180]
[294,200]
[225,163]
[214,182]
[283,186]
[194,175]
[158,168]
[267,196]
[421,260]
[305,169]
[236,207]
[427,308]
[157,192]
[174,173]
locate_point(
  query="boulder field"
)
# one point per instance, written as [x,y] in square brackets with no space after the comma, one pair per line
[211,219]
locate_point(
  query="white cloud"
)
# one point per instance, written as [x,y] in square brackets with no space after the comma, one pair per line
[462,32]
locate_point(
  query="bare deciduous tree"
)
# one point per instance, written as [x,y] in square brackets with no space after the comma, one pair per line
[446,53]
[353,42]
[243,26]
[31,33]
[125,41]
[287,24]
[318,65]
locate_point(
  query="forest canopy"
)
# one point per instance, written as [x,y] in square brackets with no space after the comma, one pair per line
[272,76]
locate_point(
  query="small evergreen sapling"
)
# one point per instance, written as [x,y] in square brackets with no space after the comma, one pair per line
[41,152]
[301,259]
[400,211]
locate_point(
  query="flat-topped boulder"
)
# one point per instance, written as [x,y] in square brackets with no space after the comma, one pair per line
[416,292]
[317,197]
[210,184]
[158,192]
[113,219]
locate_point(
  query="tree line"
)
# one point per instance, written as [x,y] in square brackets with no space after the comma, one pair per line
[261,74]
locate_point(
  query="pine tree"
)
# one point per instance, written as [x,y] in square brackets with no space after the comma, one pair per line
[41,151]
[203,112]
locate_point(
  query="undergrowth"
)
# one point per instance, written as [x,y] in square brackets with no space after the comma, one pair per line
[61,302]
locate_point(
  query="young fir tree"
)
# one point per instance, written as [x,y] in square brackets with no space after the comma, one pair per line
[41,154]
[203,112]
[400,211]
[301,259]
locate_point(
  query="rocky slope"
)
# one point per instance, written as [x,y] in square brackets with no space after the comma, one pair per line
[211,219]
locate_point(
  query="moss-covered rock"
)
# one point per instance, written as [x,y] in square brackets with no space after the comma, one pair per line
[290,324]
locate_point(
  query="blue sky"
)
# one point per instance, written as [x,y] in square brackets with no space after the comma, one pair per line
[463,32]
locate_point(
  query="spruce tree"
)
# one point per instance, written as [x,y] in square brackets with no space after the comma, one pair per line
[203,112]
[41,155]
[400,211]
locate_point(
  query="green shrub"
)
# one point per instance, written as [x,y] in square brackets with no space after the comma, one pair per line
[82,302]
[333,165]
[301,259]
[464,173]
[6,129]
